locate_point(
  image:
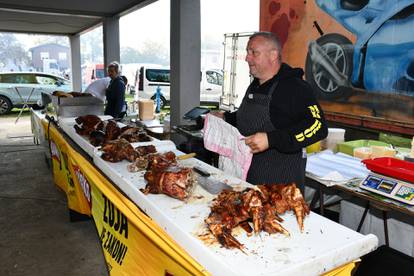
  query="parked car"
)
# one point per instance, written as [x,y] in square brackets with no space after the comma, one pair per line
[150,77]
[15,83]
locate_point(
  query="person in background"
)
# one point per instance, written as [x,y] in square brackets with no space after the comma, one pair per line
[98,88]
[115,93]
[279,115]
[125,106]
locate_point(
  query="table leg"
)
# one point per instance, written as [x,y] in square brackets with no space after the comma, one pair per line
[24,105]
[314,200]
[385,218]
[321,201]
[363,217]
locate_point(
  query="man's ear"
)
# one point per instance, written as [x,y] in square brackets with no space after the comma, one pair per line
[274,54]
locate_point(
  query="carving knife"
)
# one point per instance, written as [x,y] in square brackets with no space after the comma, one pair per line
[211,185]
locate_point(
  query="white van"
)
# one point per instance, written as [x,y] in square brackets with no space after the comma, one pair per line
[148,79]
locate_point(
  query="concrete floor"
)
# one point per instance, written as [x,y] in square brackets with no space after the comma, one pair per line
[36,236]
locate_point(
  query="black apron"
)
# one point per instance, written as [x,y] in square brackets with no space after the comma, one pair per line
[270,166]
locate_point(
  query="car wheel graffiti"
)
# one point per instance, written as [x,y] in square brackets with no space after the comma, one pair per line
[339,50]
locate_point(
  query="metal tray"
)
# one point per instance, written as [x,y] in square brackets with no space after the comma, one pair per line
[77,106]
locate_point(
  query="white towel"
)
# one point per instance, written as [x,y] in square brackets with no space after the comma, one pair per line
[226,140]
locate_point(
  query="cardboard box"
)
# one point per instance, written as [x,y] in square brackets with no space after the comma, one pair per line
[146,109]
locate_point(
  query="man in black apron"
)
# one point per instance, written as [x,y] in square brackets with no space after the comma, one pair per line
[279,115]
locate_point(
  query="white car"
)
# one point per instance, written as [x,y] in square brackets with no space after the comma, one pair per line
[149,78]
[15,88]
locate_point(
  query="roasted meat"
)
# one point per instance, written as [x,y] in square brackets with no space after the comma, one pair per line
[134,134]
[118,150]
[161,161]
[141,163]
[174,181]
[112,130]
[261,207]
[87,124]
[97,137]
[165,176]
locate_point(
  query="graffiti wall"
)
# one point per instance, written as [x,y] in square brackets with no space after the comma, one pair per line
[358,55]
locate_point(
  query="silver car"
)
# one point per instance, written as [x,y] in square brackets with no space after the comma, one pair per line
[16,87]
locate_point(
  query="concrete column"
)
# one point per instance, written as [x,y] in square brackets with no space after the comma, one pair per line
[111,40]
[75,62]
[185,47]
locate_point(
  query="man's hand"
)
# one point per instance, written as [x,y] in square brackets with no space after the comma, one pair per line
[219,114]
[257,142]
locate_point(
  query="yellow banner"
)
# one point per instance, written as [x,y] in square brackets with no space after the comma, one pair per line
[132,243]
[67,173]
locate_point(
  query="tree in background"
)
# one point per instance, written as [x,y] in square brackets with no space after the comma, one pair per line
[12,54]
[55,39]
[130,55]
[92,46]
[155,52]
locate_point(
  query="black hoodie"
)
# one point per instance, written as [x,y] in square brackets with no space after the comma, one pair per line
[294,111]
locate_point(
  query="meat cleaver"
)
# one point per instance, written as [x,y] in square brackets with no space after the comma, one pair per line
[211,185]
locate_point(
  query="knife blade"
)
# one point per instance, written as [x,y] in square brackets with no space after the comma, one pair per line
[211,185]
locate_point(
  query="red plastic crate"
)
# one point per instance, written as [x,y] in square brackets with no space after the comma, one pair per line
[392,167]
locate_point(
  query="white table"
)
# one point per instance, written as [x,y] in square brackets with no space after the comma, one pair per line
[324,245]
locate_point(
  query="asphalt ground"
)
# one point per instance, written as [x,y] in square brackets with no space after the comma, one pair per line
[37,237]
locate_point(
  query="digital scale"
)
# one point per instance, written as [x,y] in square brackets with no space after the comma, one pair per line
[391,178]
[389,187]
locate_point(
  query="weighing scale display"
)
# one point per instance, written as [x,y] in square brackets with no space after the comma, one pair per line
[372,182]
[389,187]
[406,193]
[386,186]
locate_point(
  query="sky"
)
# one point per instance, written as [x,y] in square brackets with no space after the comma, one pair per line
[152,23]
[217,18]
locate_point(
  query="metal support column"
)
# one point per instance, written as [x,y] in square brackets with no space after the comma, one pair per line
[185,45]
[75,62]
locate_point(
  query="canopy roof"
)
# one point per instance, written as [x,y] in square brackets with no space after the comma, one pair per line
[61,17]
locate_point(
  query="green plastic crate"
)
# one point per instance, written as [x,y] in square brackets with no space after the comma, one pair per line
[348,147]
[395,140]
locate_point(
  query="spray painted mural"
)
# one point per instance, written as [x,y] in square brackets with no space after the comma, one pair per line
[358,55]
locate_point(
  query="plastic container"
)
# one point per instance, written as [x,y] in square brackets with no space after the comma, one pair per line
[350,146]
[382,151]
[314,147]
[395,140]
[392,167]
[335,137]
[362,152]
[412,149]
[166,124]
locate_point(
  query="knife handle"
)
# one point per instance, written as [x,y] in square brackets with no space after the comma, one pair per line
[201,171]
